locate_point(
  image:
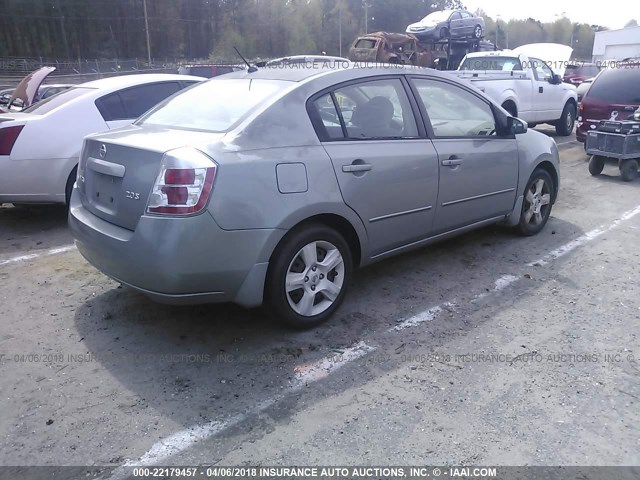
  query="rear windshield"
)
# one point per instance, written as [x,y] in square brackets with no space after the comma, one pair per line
[213,106]
[501,64]
[617,86]
[53,102]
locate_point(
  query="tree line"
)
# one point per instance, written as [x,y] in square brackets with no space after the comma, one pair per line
[200,29]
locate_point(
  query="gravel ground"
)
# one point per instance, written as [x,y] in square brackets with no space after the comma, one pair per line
[516,365]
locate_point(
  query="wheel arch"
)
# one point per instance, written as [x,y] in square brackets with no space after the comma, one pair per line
[551,170]
[338,222]
[510,101]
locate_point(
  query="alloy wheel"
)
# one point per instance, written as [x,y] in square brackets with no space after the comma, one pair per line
[537,202]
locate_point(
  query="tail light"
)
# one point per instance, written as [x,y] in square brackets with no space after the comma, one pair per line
[184,184]
[8,137]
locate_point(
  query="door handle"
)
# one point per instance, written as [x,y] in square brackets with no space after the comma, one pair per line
[358,167]
[541,90]
[452,162]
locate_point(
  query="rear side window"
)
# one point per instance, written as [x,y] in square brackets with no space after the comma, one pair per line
[372,110]
[131,103]
[617,86]
[326,118]
[492,63]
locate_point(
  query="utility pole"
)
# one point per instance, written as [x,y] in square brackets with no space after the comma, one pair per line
[146,29]
[340,28]
[366,16]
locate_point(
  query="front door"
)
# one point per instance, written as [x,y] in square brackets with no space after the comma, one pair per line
[387,171]
[478,169]
[547,97]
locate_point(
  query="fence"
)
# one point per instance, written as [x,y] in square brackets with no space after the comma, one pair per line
[12,70]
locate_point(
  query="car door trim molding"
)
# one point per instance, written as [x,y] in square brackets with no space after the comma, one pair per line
[455,202]
[399,214]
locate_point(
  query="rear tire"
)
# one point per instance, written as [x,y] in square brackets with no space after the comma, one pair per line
[596,165]
[537,204]
[308,276]
[477,32]
[629,170]
[564,126]
[69,187]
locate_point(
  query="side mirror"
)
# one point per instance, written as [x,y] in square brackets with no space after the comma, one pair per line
[517,126]
[555,79]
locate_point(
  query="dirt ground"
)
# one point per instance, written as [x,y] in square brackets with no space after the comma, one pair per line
[489,349]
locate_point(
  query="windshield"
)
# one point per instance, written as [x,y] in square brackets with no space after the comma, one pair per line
[215,105]
[437,17]
[55,101]
[502,64]
[617,86]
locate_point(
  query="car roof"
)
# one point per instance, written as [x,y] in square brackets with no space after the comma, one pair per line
[350,70]
[123,81]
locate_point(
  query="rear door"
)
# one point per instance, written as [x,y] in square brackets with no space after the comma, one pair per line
[478,170]
[122,107]
[386,167]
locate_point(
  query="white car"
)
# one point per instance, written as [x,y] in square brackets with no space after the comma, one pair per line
[527,82]
[40,146]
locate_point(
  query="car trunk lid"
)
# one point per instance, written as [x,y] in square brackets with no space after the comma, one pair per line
[119,169]
[27,89]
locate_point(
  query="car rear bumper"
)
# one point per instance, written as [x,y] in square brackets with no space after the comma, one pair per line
[188,260]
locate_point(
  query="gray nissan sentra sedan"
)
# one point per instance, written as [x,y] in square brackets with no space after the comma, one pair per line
[272,186]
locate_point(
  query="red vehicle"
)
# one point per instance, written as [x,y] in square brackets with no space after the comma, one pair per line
[613,95]
[576,73]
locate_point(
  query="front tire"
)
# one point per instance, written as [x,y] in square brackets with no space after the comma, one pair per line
[629,170]
[308,276]
[564,126]
[596,165]
[444,33]
[537,204]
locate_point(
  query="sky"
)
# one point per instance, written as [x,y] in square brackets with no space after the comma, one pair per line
[612,14]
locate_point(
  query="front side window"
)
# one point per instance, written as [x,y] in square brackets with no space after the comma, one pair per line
[376,109]
[456,16]
[541,70]
[453,111]
[366,43]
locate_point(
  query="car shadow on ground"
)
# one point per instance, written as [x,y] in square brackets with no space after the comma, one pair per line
[33,228]
[197,364]
[550,131]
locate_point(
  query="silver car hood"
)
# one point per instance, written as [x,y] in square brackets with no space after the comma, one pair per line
[555,54]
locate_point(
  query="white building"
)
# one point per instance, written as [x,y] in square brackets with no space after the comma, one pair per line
[616,44]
